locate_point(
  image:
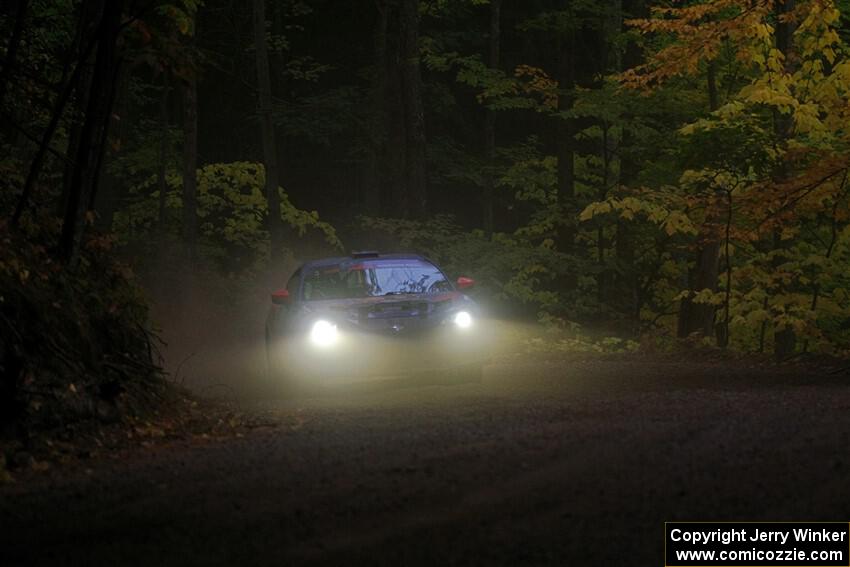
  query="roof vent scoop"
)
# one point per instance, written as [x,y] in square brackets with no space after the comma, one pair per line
[364,254]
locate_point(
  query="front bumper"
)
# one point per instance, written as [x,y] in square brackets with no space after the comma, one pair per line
[357,354]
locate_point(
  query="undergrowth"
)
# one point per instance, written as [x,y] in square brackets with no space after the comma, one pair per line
[74,341]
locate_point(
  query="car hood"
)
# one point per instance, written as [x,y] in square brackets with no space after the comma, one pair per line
[394,314]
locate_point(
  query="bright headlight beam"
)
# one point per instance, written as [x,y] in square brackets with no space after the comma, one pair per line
[463,319]
[323,333]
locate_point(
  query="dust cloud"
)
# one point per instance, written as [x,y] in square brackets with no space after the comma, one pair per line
[211,326]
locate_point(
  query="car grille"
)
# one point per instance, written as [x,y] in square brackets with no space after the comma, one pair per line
[401,318]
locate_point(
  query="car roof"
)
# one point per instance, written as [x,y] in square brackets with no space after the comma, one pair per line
[343,259]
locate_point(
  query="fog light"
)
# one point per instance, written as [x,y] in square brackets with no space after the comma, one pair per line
[463,319]
[323,334]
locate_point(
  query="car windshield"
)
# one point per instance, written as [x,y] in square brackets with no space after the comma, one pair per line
[372,279]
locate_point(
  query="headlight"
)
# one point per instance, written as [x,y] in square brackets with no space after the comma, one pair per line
[463,319]
[323,333]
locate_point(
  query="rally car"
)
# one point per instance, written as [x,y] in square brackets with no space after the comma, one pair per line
[373,314]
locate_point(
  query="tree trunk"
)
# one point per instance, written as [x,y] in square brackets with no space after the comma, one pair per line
[190,167]
[833,239]
[19,13]
[162,166]
[415,202]
[93,133]
[281,89]
[490,122]
[370,198]
[722,330]
[711,80]
[699,317]
[111,193]
[394,193]
[565,150]
[275,223]
[603,279]
[87,37]
[784,338]
[626,287]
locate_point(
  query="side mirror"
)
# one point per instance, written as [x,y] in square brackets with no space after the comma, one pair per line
[465,283]
[281,297]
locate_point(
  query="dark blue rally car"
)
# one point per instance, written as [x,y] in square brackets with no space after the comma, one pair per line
[373,314]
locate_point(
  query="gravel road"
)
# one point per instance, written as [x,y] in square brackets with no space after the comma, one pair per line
[544,463]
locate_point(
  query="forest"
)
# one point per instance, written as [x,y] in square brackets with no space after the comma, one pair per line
[654,172]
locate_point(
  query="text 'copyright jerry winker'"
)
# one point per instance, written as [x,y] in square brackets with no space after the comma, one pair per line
[766,544]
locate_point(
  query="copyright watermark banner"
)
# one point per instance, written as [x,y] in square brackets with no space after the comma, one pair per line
[757,544]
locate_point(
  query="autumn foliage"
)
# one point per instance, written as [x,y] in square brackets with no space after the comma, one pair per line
[766,177]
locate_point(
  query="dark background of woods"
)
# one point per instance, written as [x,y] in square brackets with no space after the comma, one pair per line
[476,131]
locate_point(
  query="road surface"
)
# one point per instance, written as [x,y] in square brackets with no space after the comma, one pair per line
[559,462]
